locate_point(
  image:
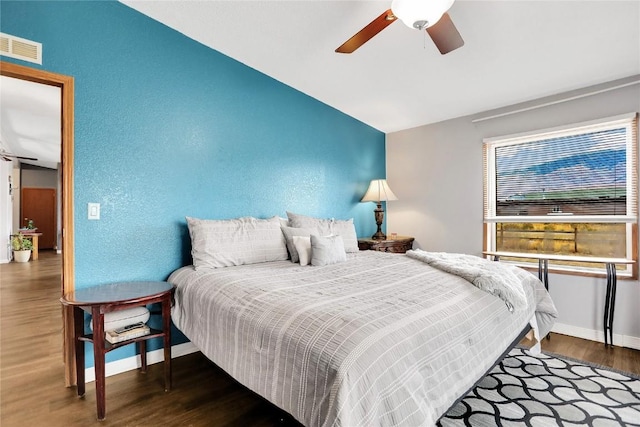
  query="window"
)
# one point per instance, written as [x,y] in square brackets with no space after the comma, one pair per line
[571,192]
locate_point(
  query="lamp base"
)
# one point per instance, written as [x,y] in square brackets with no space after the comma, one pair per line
[379,236]
[379,214]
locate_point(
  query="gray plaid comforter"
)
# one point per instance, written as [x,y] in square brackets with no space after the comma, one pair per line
[379,340]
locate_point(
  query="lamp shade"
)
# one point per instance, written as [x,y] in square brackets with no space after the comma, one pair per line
[379,191]
[420,14]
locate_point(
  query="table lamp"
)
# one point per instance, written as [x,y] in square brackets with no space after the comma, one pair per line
[379,192]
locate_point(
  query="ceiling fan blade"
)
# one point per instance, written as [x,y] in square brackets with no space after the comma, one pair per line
[445,35]
[368,32]
[7,157]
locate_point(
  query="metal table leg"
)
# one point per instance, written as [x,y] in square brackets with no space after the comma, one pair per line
[543,272]
[543,276]
[610,303]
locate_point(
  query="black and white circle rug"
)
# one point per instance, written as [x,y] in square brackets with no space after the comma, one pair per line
[526,390]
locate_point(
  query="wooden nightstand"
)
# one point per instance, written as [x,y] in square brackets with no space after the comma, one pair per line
[399,245]
[105,298]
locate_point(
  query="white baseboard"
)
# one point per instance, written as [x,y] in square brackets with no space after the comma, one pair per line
[131,363]
[593,335]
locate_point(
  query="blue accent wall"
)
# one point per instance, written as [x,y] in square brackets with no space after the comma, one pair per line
[166,127]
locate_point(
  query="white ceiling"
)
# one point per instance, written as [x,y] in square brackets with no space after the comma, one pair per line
[514,51]
[30,121]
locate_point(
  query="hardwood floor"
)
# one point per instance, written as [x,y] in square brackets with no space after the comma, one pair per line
[32,391]
[620,358]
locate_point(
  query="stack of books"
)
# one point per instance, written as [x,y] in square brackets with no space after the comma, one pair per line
[128,332]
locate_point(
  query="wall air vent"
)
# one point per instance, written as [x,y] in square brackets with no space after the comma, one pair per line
[15,47]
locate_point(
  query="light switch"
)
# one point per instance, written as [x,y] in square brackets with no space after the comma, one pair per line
[94,211]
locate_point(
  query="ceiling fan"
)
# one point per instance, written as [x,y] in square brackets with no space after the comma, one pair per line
[429,15]
[9,157]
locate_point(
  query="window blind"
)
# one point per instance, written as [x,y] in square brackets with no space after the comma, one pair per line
[583,173]
[571,192]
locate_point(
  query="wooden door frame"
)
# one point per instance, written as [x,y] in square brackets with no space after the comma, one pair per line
[65,83]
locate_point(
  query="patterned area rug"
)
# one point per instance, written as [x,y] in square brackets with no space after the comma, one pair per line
[525,390]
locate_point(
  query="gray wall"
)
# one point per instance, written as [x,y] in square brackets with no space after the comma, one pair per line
[436,172]
[39,178]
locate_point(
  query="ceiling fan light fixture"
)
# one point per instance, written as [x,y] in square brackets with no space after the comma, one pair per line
[420,14]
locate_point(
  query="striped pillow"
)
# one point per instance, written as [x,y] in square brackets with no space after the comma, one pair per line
[224,243]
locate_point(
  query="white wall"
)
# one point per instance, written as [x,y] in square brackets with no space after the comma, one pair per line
[436,172]
[6,212]
[34,177]
[59,209]
[15,197]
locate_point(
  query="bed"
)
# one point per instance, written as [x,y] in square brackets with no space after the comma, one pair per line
[376,339]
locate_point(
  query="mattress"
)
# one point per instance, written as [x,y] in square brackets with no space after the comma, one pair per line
[379,340]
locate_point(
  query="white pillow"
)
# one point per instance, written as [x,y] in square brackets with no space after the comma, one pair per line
[303,248]
[289,233]
[223,243]
[330,226]
[117,319]
[327,250]
[347,231]
[284,222]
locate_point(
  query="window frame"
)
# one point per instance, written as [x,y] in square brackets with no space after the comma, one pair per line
[630,218]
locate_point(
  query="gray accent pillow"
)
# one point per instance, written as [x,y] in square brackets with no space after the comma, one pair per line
[326,227]
[289,233]
[247,240]
[327,250]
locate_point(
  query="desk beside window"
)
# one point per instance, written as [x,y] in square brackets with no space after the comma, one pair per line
[610,266]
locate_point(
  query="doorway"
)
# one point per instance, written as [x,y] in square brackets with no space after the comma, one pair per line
[65,83]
